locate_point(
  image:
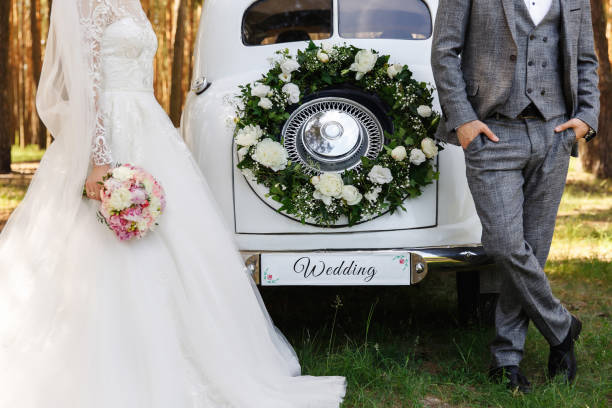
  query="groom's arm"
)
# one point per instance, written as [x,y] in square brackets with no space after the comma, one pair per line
[448,40]
[588,78]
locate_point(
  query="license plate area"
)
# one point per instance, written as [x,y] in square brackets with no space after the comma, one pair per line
[336,268]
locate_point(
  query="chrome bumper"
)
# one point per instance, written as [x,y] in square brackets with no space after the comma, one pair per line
[423,260]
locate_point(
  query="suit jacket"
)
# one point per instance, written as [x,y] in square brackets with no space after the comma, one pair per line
[474,59]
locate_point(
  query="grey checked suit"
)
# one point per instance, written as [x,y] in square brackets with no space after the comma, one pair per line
[490,62]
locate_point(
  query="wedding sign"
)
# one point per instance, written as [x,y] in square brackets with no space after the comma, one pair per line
[336,268]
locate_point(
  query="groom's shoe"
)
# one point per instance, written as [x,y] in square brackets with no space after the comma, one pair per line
[516,380]
[562,358]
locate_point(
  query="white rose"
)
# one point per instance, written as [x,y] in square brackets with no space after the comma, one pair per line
[148,185]
[271,154]
[120,199]
[285,77]
[323,56]
[248,135]
[248,174]
[289,66]
[315,180]
[428,145]
[372,195]
[364,63]
[292,91]
[142,225]
[122,173]
[330,184]
[326,199]
[265,103]
[380,175]
[399,153]
[327,46]
[242,153]
[417,156]
[260,90]
[394,69]
[424,111]
[351,195]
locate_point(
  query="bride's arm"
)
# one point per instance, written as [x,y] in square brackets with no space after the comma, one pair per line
[95,16]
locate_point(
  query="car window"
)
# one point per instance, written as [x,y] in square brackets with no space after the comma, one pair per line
[282,21]
[394,19]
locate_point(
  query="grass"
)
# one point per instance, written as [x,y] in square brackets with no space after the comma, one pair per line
[27,154]
[403,347]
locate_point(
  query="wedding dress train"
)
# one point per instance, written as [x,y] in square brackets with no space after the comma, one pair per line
[169,321]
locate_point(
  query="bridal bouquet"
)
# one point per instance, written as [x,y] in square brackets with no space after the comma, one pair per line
[132,202]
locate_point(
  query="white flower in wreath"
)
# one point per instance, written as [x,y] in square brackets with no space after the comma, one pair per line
[399,153]
[424,111]
[323,56]
[317,195]
[372,194]
[365,60]
[417,156]
[249,135]
[394,69]
[428,145]
[242,153]
[265,103]
[289,66]
[380,175]
[270,154]
[351,195]
[327,47]
[328,186]
[285,77]
[261,90]
[292,91]
[123,173]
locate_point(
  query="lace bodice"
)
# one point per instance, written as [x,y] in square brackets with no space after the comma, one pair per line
[122,45]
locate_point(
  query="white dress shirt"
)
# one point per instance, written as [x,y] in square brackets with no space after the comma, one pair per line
[538,9]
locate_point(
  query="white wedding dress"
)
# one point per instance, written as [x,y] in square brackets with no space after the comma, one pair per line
[170,321]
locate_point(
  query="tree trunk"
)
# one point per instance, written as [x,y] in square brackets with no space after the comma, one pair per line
[176,94]
[40,136]
[5,131]
[597,154]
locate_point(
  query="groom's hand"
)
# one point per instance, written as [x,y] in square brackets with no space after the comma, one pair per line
[580,128]
[468,132]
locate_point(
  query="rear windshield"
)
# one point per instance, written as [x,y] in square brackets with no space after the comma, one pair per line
[393,19]
[283,21]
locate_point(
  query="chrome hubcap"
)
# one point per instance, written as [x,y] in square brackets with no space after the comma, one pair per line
[332,134]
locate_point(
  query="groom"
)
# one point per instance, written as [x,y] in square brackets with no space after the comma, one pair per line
[517,81]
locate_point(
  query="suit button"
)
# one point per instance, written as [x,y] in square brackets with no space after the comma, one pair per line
[544,64]
[545,39]
[513,58]
[532,37]
[543,92]
[529,90]
[530,63]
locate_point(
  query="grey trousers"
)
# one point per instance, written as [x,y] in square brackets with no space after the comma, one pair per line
[517,184]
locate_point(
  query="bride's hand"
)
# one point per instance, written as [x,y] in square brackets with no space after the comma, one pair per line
[92,185]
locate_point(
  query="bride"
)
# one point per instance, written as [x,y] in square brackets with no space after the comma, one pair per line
[86,321]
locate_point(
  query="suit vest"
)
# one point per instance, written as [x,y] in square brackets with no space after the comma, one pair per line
[538,78]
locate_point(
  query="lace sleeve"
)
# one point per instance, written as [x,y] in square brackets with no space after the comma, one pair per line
[95,16]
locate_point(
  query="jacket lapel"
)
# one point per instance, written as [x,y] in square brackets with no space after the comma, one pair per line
[566,44]
[565,26]
[509,10]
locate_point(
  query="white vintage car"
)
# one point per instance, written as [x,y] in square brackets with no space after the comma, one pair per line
[236,40]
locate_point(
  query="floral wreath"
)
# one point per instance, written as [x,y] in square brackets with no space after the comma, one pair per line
[401,170]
